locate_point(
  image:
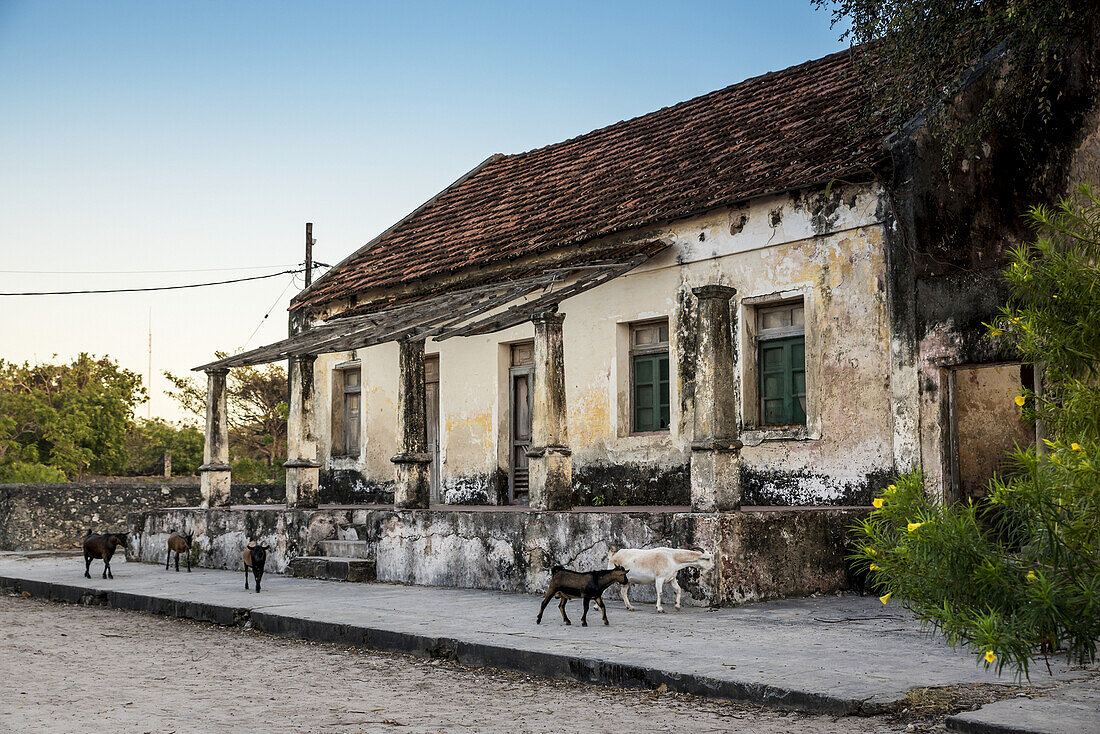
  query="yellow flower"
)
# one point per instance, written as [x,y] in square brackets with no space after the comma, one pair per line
[892,488]
[1075,446]
[875,568]
[885,598]
[1020,400]
[872,552]
[1031,577]
[878,503]
[914,525]
[989,656]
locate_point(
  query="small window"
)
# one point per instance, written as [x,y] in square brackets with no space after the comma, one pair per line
[352,402]
[781,362]
[649,372]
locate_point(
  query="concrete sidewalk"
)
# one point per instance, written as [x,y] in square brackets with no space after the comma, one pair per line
[839,654]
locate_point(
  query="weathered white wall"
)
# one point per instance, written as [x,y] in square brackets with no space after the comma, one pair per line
[827,250]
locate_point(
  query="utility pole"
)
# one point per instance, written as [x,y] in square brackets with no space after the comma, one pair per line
[309,253]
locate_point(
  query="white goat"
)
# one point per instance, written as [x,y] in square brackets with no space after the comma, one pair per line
[657,566]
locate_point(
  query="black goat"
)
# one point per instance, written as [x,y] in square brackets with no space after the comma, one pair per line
[255,556]
[566,585]
[179,544]
[102,546]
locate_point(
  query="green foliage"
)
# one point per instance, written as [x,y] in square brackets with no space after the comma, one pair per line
[148,440]
[917,51]
[250,470]
[20,472]
[1016,575]
[257,414]
[67,418]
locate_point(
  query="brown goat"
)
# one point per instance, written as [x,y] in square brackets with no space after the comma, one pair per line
[566,585]
[179,544]
[255,556]
[102,546]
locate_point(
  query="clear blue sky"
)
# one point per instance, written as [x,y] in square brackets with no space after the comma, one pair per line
[157,136]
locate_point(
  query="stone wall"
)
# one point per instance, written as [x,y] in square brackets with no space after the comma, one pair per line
[42,516]
[760,555]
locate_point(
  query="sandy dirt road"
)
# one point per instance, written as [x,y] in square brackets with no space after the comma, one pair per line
[69,669]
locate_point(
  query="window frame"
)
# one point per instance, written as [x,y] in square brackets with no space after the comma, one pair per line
[750,306]
[657,349]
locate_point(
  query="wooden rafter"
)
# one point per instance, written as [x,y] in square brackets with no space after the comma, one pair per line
[441,316]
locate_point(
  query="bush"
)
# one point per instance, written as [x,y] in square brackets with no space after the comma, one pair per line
[21,472]
[1016,575]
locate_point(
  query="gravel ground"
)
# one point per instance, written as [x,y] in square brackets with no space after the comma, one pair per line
[69,668]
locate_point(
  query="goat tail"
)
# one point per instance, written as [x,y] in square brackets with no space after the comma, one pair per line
[555,569]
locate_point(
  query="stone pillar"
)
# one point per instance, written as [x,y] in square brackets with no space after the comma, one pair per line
[411,464]
[215,469]
[550,464]
[303,471]
[715,447]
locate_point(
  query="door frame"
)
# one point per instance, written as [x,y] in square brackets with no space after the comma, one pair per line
[513,373]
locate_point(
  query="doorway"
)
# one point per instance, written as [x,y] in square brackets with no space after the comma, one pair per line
[985,425]
[431,407]
[520,377]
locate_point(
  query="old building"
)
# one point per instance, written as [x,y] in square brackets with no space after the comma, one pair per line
[746,299]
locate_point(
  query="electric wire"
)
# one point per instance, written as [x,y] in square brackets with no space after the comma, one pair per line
[137,272]
[161,287]
[293,280]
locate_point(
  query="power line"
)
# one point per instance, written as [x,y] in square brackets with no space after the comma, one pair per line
[158,288]
[136,272]
[293,278]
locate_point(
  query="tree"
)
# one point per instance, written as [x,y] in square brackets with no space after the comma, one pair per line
[256,412]
[148,440]
[912,55]
[1016,575]
[60,420]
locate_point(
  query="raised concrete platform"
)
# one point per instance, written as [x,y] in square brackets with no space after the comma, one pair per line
[843,655]
[761,553]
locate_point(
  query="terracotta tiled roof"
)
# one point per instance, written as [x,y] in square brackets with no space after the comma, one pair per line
[781,131]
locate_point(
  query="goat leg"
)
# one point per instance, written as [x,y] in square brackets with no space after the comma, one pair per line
[188,560]
[584,617]
[246,578]
[545,600]
[561,607]
[625,591]
[603,608]
[168,559]
[87,567]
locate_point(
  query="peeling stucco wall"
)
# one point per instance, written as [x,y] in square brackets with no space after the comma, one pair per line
[825,249]
[761,555]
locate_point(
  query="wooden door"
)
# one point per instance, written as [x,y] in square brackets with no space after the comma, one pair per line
[431,399]
[520,377]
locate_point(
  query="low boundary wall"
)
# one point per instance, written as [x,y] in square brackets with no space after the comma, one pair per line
[57,516]
[760,554]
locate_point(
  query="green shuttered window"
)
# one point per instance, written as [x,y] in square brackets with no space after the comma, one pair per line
[650,377]
[781,361]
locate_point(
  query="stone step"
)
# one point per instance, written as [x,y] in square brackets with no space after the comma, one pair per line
[330,568]
[347,549]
